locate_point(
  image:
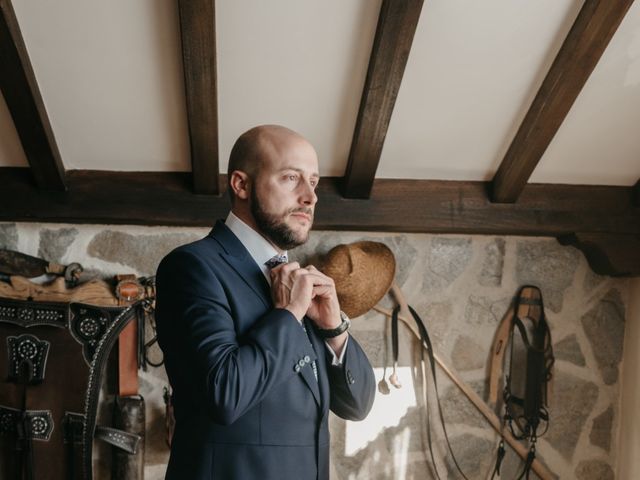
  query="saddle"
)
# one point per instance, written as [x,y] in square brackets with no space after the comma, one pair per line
[52,361]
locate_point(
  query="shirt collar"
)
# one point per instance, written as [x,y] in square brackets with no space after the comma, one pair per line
[257,246]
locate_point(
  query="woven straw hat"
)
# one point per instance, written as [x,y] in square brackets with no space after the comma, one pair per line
[363,273]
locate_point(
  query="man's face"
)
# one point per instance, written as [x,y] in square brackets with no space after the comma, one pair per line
[283,193]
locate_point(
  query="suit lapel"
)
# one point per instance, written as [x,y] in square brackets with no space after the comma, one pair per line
[310,379]
[321,391]
[238,258]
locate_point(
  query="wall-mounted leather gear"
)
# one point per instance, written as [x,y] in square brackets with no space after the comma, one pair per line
[52,361]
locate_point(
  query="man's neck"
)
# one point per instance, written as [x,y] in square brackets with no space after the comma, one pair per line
[248,219]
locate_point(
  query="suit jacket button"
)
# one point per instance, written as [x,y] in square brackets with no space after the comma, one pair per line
[301,363]
[296,368]
[307,358]
[350,378]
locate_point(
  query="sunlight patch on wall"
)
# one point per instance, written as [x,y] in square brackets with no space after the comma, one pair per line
[387,411]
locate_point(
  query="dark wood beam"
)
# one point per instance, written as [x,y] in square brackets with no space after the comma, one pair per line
[589,36]
[396,27]
[165,198]
[137,198]
[22,95]
[198,33]
[636,194]
[584,216]
[608,254]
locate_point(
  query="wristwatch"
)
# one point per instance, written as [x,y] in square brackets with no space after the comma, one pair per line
[334,332]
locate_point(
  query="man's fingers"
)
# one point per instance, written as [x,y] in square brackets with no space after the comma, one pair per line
[315,271]
[290,266]
[285,268]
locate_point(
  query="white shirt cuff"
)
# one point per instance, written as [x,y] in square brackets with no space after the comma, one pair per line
[335,360]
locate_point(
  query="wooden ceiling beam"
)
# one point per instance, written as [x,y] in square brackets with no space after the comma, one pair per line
[608,254]
[397,24]
[600,220]
[420,206]
[198,34]
[22,96]
[636,194]
[589,36]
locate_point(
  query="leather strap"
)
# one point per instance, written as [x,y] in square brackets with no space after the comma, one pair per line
[527,301]
[24,447]
[118,438]
[128,291]
[72,425]
[428,347]
[524,410]
[128,360]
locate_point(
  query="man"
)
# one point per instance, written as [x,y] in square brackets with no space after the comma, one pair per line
[257,354]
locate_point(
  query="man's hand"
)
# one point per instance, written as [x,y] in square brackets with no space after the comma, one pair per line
[307,291]
[291,289]
[324,309]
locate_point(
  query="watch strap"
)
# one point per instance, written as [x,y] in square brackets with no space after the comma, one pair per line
[340,329]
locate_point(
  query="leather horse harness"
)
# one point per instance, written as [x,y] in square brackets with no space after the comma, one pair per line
[527,335]
[53,357]
[523,331]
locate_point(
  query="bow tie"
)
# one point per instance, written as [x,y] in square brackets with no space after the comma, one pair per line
[276,260]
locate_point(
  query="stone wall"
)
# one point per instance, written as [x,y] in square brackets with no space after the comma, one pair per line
[461,286]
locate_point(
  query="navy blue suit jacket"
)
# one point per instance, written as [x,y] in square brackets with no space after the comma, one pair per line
[247,404]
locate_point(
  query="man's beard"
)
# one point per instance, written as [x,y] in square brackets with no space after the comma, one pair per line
[276,229]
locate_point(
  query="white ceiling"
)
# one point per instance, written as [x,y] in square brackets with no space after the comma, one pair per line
[473,71]
[110,75]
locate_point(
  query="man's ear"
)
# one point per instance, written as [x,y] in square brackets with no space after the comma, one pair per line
[240,184]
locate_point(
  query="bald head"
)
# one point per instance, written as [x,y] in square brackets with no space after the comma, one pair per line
[273,174]
[257,146]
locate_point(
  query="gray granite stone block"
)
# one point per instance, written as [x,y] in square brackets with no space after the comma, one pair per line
[437,318]
[446,260]
[568,349]
[571,404]
[141,252]
[594,470]
[493,263]
[548,265]
[467,354]
[600,435]
[458,409]
[484,311]
[8,236]
[374,345]
[55,243]
[473,454]
[604,327]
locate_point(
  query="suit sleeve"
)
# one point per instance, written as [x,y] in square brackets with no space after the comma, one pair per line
[352,383]
[197,334]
